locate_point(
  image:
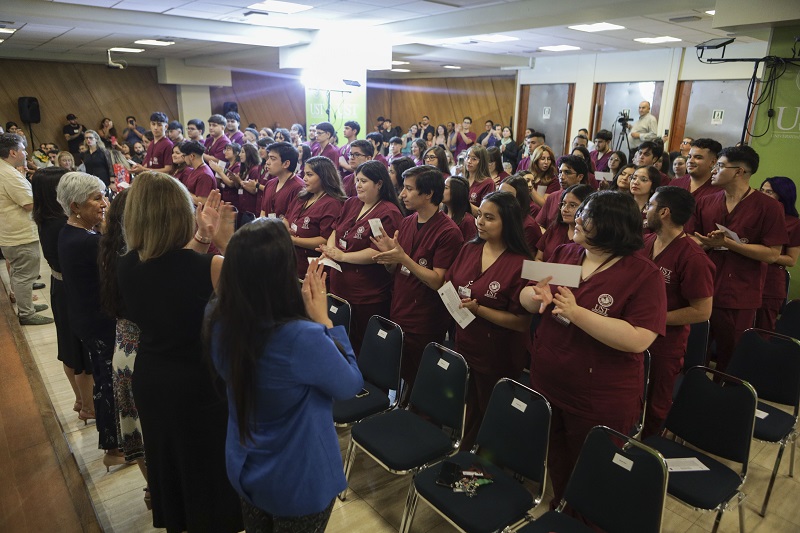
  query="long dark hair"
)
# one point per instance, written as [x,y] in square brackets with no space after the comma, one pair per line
[112,246]
[521,191]
[441,159]
[400,165]
[459,198]
[248,310]
[783,187]
[586,157]
[376,171]
[580,191]
[251,160]
[328,176]
[512,234]
[45,205]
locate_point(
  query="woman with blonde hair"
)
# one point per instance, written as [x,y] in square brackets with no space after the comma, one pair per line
[96,159]
[476,170]
[66,161]
[542,178]
[166,279]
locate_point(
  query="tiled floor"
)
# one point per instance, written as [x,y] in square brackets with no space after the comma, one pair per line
[375,501]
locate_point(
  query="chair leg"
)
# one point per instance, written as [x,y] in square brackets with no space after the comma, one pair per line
[410,509]
[348,464]
[794,445]
[772,479]
[741,512]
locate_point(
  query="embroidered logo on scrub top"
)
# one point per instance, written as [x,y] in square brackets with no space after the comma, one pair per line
[423,262]
[359,233]
[493,288]
[473,196]
[305,222]
[667,275]
[604,301]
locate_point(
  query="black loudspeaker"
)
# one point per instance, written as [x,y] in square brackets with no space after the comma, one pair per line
[29,110]
[227,107]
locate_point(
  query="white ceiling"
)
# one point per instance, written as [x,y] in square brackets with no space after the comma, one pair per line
[215,32]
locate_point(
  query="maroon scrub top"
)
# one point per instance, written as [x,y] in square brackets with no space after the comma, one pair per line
[248,201]
[757,219]
[705,189]
[315,220]
[158,154]
[363,284]
[555,236]
[478,190]
[349,185]
[468,228]
[415,306]
[549,212]
[230,194]
[461,145]
[216,147]
[775,284]
[330,151]
[201,181]
[580,374]
[532,232]
[264,177]
[688,275]
[278,201]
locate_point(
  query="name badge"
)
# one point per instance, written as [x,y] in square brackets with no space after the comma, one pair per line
[465,292]
[404,271]
[272,215]
[241,191]
[343,244]
[293,227]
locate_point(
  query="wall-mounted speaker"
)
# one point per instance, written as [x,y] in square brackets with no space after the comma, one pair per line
[29,110]
[227,107]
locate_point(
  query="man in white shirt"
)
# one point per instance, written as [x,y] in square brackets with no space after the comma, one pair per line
[644,129]
[19,239]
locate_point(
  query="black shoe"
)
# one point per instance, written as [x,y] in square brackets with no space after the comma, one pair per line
[38,286]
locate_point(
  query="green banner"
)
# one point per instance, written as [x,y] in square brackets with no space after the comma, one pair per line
[337,106]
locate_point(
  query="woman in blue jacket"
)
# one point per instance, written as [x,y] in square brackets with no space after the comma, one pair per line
[283,363]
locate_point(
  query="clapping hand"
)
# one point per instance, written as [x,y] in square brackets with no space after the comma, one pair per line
[542,293]
[390,250]
[315,296]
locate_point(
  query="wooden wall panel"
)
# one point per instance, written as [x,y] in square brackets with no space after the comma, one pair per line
[90,91]
[263,99]
[442,99]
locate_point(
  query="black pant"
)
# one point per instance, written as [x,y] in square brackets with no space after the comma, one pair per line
[259,521]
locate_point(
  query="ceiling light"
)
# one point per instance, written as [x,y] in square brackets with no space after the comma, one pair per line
[154,42]
[276,6]
[657,40]
[711,12]
[454,67]
[129,50]
[1,40]
[400,70]
[598,26]
[399,62]
[7,30]
[494,38]
[559,48]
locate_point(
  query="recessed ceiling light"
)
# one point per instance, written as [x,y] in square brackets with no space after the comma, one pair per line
[7,30]
[399,62]
[559,48]
[154,42]
[494,38]
[711,12]
[598,26]
[400,70]
[128,50]
[454,67]
[657,40]
[276,6]
[1,40]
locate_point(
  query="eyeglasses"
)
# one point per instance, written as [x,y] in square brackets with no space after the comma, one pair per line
[569,205]
[566,172]
[685,142]
[356,154]
[721,166]
[430,157]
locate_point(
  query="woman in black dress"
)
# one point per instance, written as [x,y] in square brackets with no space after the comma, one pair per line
[83,199]
[96,159]
[50,218]
[165,285]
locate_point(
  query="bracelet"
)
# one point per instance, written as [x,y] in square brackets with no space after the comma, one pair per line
[200,239]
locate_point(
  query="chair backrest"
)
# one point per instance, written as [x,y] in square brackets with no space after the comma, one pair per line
[696,345]
[515,430]
[618,487]
[339,311]
[770,362]
[789,322]
[788,287]
[381,352]
[440,389]
[636,431]
[717,417]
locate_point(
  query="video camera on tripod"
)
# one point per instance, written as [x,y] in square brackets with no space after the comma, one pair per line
[624,117]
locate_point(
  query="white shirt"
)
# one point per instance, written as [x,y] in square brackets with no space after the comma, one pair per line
[646,127]
[16,223]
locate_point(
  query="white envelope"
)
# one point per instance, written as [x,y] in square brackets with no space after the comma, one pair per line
[563,275]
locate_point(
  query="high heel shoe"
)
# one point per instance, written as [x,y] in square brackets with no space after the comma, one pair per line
[77,407]
[86,415]
[148,502]
[110,460]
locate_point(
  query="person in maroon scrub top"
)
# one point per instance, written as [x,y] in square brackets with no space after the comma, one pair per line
[179,167]
[359,151]
[487,275]
[457,206]
[280,192]
[376,139]
[571,171]
[699,167]
[419,255]
[518,186]
[562,229]
[232,122]
[158,157]
[476,170]
[437,157]
[643,185]
[216,141]
[313,212]
[200,181]
[362,282]
[587,350]
[227,175]
[464,137]
[542,175]
[760,226]
[689,278]
[248,176]
[783,190]
[263,170]
[323,145]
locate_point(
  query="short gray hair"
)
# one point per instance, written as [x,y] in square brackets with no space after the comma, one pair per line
[77,187]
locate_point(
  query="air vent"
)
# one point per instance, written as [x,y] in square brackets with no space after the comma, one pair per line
[690,18]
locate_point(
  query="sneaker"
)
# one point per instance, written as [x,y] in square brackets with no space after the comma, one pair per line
[35,320]
[38,286]
[39,307]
